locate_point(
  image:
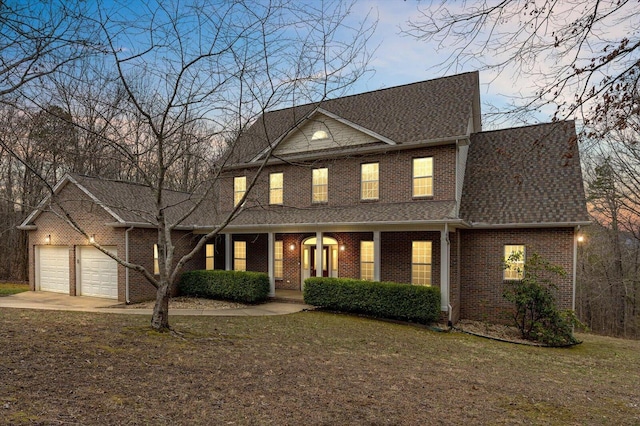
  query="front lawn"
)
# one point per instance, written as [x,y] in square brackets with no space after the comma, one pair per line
[12,288]
[307,368]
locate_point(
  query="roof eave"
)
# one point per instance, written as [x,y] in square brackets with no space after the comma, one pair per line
[571,224]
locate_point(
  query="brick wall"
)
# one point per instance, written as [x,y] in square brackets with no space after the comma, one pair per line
[92,218]
[395,177]
[481,279]
[396,255]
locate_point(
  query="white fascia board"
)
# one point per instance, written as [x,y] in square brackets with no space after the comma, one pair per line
[422,225]
[95,199]
[34,214]
[480,225]
[356,126]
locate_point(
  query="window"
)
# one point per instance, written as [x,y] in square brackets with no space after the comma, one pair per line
[156,265]
[278,264]
[366,260]
[276,181]
[513,262]
[421,262]
[423,177]
[239,255]
[208,257]
[239,188]
[320,185]
[319,134]
[369,181]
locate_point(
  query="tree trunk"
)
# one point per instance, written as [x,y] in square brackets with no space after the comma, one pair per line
[160,318]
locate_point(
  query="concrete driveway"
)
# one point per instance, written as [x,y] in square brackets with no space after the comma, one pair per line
[63,302]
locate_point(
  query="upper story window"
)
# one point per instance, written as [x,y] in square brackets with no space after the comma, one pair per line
[320,185]
[423,177]
[239,188]
[369,181]
[319,134]
[513,262]
[276,188]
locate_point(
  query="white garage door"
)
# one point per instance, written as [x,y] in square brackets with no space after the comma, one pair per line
[98,273]
[53,269]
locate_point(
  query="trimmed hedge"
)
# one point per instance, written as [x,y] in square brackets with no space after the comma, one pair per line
[379,299]
[237,286]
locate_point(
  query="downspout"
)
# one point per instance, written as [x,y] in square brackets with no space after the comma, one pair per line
[575,266]
[449,308]
[126,270]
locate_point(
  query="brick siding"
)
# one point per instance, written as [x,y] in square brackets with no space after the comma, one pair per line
[481,277]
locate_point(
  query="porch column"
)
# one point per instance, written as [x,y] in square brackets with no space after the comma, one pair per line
[377,255]
[228,252]
[272,264]
[444,268]
[319,265]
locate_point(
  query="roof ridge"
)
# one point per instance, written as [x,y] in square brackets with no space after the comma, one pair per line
[319,103]
[548,123]
[100,178]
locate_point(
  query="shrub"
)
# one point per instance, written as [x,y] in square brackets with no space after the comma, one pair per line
[536,314]
[379,299]
[237,286]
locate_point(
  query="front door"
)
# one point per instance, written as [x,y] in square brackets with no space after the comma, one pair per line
[325,262]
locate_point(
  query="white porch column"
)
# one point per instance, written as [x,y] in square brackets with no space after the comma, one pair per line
[445,264]
[376,255]
[319,265]
[272,264]
[228,252]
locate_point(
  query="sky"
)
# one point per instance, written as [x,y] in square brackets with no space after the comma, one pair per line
[400,59]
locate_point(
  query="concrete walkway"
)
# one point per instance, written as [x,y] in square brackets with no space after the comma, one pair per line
[63,302]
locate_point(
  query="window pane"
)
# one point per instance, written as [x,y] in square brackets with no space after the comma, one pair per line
[278,262]
[423,177]
[515,266]
[276,182]
[421,262]
[320,179]
[240,255]
[366,260]
[239,188]
[156,264]
[369,181]
[209,250]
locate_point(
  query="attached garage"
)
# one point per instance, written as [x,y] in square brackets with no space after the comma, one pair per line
[97,273]
[53,269]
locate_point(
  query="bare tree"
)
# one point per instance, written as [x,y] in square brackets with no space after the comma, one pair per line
[197,72]
[579,56]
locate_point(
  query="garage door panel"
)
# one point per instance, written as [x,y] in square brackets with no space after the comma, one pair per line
[98,273]
[53,269]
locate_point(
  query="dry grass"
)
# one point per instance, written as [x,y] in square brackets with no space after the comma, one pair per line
[7,288]
[306,368]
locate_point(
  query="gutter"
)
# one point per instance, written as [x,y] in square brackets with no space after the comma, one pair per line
[482,225]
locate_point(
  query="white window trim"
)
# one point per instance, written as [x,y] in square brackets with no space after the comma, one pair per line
[237,247]
[314,186]
[520,264]
[238,194]
[273,189]
[414,177]
[362,182]
[367,262]
[430,263]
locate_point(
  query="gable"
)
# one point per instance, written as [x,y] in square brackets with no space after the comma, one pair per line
[321,132]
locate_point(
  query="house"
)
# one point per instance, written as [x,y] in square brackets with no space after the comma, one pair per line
[399,184]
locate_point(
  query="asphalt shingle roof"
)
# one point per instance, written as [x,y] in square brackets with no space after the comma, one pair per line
[133,202]
[524,175]
[409,212]
[424,111]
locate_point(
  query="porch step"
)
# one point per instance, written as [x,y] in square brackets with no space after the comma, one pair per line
[287,300]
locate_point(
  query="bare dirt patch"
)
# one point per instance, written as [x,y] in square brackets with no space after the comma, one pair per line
[184,302]
[312,368]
